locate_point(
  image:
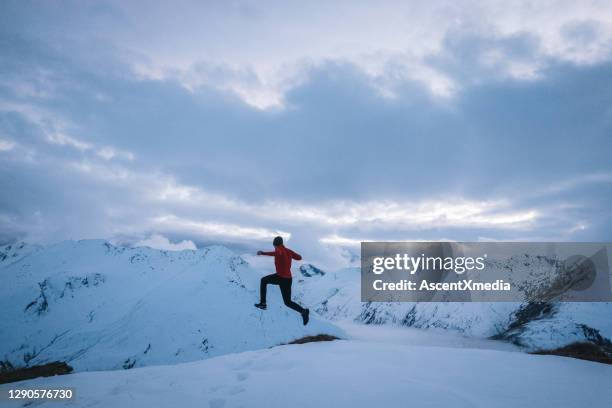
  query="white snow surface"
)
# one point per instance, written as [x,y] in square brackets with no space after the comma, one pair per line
[374,367]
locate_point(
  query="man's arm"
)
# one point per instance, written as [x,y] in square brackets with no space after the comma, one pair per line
[270,253]
[295,255]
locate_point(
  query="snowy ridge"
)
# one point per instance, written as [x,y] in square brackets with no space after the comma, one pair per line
[99,306]
[12,253]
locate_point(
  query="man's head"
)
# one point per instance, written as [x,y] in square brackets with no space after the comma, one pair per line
[278,241]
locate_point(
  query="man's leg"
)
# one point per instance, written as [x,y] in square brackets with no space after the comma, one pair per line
[285,287]
[269,279]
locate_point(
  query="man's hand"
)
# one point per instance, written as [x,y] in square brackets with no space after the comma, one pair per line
[259,252]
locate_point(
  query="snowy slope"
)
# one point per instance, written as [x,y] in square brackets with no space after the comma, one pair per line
[359,372]
[10,254]
[98,306]
[336,296]
[551,326]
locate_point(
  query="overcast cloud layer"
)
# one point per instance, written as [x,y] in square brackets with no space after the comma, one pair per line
[174,125]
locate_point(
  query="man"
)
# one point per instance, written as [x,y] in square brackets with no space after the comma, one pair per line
[282,262]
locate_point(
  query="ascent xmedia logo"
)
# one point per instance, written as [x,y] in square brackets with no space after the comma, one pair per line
[492,271]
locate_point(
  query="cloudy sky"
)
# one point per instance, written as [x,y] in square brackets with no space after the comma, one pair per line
[179,124]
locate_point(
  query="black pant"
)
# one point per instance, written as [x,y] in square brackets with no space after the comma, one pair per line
[285,288]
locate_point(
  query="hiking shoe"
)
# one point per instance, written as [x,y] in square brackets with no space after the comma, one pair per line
[262,306]
[305,316]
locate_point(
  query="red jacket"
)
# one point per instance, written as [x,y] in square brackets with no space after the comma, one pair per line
[282,260]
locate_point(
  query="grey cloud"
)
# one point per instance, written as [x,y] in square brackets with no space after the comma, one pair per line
[338,139]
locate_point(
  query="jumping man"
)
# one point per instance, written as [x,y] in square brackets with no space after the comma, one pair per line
[282,262]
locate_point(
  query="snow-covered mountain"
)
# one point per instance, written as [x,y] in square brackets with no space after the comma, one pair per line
[99,306]
[336,296]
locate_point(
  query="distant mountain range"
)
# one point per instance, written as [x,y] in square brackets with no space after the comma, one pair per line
[100,306]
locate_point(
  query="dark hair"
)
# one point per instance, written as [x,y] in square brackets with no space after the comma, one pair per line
[277,241]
